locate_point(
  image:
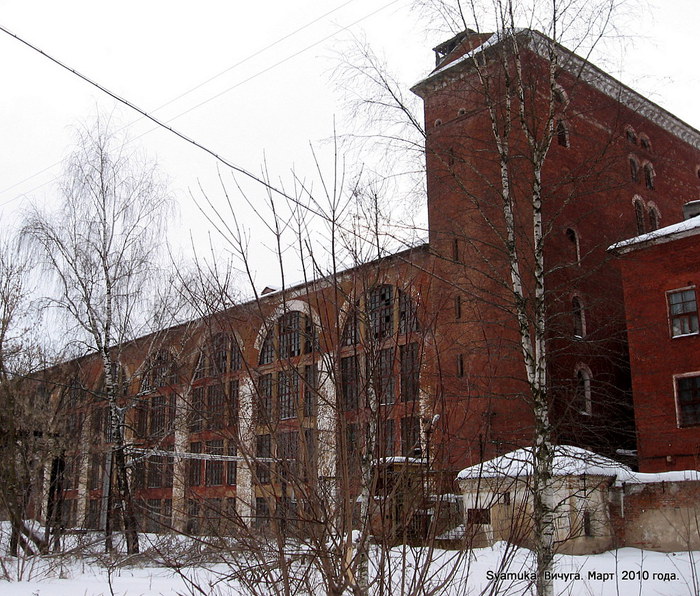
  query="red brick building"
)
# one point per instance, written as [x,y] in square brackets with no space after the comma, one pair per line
[617,165]
[250,411]
[660,276]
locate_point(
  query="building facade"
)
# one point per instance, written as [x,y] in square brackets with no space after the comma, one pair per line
[660,277]
[391,376]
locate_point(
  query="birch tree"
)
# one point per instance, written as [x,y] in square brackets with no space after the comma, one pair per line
[101,248]
[502,174]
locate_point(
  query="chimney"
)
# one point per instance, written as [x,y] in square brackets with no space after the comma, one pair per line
[691,209]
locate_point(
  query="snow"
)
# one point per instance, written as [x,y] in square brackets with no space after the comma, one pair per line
[667,233]
[567,461]
[400,459]
[570,461]
[505,570]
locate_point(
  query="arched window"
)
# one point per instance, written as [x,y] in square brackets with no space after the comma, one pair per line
[634,168]
[380,328]
[159,372]
[645,142]
[575,249]
[630,135]
[562,134]
[292,335]
[654,218]
[639,215]
[582,395]
[579,317]
[649,176]
[219,356]
[287,384]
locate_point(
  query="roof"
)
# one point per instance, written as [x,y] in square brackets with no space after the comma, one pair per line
[578,67]
[683,229]
[570,461]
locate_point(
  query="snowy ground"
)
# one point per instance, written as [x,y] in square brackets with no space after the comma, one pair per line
[624,572]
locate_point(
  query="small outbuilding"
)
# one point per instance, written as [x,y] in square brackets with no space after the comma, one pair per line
[599,504]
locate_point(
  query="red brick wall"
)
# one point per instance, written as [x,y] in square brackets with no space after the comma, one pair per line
[588,188]
[655,356]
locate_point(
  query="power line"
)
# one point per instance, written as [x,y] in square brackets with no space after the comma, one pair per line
[164,124]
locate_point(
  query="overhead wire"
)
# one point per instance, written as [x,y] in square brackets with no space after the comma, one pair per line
[164,124]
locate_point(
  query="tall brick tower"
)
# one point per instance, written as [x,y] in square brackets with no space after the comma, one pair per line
[616,164]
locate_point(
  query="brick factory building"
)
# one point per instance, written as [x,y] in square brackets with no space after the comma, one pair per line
[268,409]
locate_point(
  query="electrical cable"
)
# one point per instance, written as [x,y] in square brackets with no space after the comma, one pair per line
[164,124]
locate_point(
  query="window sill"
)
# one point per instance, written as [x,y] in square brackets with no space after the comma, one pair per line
[685,335]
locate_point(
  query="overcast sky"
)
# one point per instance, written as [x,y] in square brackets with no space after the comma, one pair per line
[273,95]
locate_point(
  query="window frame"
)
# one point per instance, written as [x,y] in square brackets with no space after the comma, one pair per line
[578,311]
[584,381]
[691,315]
[681,423]
[561,131]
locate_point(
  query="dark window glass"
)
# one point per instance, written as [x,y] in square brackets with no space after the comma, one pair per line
[639,217]
[634,170]
[562,134]
[310,390]
[287,393]
[195,465]
[267,352]
[384,376]
[158,414]
[649,176]
[263,449]
[155,471]
[288,453]
[410,372]
[408,320]
[220,346]
[262,512]
[351,334]
[231,466]
[577,308]
[683,311]
[380,308]
[265,394]
[410,436]
[215,407]
[196,414]
[688,395]
[349,374]
[290,335]
[215,467]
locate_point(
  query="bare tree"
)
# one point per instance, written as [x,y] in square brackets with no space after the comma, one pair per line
[333,414]
[101,248]
[25,413]
[511,114]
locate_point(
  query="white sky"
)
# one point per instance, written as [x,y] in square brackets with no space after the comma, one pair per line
[151,52]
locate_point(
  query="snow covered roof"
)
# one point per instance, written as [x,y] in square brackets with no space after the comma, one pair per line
[582,69]
[570,461]
[688,227]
